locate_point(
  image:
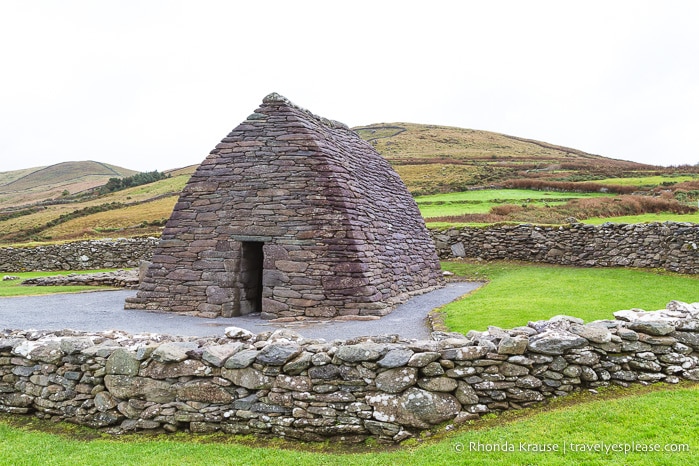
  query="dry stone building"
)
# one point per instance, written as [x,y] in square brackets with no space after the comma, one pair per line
[291,215]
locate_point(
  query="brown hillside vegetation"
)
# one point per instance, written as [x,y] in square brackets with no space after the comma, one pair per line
[35,185]
[433,159]
[140,210]
[9,177]
[570,186]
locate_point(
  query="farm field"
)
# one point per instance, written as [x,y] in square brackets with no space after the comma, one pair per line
[521,292]
[482,200]
[648,181]
[139,211]
[484,195]
[629,219]
[489,206]
[143,219]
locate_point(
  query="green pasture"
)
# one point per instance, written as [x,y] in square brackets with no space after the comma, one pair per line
[481,201]
[648,181]
[460,208]
[517,293]
[499,195]
[629,219]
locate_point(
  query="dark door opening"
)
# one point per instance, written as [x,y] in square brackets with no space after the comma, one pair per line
[251,266]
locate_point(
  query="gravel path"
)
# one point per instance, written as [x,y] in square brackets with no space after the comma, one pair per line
[104,310]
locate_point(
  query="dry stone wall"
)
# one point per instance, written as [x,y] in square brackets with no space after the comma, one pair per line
[671,246]
[291,215]
[280,384]
[117,279]
[79,255]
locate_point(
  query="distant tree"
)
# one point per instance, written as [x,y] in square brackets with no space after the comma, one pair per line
[117,184]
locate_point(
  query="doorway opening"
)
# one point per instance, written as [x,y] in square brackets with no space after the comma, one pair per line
[251,266]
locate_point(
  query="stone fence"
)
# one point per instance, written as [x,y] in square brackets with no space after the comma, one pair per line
[280,384]
[79,255]
[671,246]
[116,279]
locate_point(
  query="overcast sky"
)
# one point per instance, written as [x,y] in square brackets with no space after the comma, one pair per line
[149,85]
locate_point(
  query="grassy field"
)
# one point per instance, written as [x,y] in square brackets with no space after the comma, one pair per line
[486,195]
[521,292]
[148,203]
[123,222]
[489,206]
[10,288]
[482,200]
[630,219]
[648,181]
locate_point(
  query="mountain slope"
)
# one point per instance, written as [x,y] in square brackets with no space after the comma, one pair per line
[22,187]
[433,158]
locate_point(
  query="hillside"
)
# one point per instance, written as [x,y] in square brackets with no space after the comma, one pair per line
[22,187]
[430,160]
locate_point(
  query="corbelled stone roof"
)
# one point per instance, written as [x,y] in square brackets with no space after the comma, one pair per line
[305,205]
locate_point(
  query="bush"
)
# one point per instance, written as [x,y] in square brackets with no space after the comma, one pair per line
[506,209]
[117,184]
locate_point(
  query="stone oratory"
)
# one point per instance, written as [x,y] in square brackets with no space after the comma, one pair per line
[292,216]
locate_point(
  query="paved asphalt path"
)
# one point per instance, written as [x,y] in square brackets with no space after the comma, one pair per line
[104,310]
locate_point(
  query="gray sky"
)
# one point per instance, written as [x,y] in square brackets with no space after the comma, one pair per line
[149,84]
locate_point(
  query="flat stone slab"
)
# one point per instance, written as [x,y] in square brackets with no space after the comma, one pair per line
[104,310]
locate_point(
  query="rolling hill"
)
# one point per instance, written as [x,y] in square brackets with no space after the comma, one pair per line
[22,187]
[430,159]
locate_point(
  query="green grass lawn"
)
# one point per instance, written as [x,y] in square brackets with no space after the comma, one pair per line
[650,417]
[15,287]
[521,292]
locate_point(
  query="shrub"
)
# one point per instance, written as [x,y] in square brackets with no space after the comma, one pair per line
[117,184]
[506,209]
